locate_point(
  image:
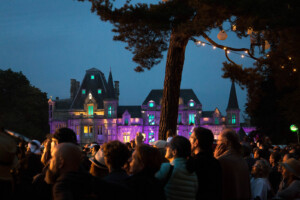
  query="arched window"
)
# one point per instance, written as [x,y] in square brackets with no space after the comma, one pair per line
[233,119]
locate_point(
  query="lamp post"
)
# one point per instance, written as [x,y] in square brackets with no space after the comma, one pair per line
[294,128]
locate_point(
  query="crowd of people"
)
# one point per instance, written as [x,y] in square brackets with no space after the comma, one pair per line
[175,169]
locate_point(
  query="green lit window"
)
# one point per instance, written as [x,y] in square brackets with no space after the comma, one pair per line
[92,77]
[99,91]
[83,91]
[179,118]
[192,104]
[233,119]
[216,121]
[90,110]
[126,121]
[191,118]
[151,137]
[151,104]
[110,111]
[151,120]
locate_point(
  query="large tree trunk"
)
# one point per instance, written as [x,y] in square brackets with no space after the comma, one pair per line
[170,99]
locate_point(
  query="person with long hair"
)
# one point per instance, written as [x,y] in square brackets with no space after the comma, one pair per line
[146,161]
[179,176]
[235,174]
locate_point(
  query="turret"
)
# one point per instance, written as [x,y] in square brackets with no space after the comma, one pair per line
[233,111]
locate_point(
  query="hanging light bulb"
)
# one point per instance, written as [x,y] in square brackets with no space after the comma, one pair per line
[267,45]
[294,70]
[290,58]
[198,42]
[246,51]
[250,30]
[222,35]
[214,47]
[282,67]
[242,56]
[234,27]
[203,44]
[228,51]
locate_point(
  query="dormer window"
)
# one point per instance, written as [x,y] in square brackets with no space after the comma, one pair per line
[90,110]
[83,91]
[217,121]
[191,103]
[99,91]
[110,111]
[126,121]
[151,104]
[92,77]
[191,119]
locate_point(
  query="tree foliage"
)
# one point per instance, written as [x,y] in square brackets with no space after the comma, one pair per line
[24,108]
[151,29]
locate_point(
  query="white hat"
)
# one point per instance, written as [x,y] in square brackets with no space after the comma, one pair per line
[160,144]
[34,146]
[98,160]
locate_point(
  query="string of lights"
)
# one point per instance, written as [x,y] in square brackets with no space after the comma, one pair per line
[200,43]
[245,53]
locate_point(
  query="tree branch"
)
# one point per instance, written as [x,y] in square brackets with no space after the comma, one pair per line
[226,54]
[225,47]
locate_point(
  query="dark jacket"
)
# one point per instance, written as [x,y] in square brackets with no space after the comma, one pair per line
[41,189]
[83,186]
[275,178]
[74,185]
[145,186]
[209,172]
[116,176]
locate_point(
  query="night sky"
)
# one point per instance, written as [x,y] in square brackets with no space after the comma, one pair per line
[53,41]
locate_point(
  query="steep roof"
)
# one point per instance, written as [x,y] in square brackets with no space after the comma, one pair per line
[63,104]
[232,103]
[93,80]
[134,111]
[185,94]
[110,88]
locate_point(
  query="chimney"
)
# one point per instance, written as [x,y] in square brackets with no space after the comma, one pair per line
[117,91]
[74,88]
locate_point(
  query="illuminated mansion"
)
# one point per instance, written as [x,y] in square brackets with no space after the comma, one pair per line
[94,113]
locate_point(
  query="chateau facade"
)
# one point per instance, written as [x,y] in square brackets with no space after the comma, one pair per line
[94,113]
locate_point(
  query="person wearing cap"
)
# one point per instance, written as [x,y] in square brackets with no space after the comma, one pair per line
[291,172]
[98,167]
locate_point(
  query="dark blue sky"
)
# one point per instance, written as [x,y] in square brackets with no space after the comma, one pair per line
[52,41]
